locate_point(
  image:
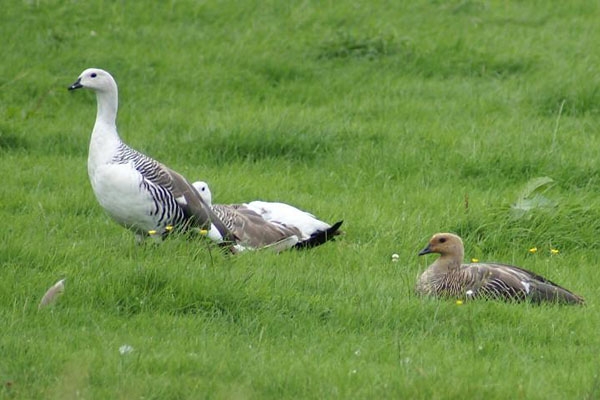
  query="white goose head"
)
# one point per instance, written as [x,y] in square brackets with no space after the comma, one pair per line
[105,87]
[204,191]
[95,79]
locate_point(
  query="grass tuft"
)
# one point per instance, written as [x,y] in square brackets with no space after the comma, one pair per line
[344,45]
[569,101]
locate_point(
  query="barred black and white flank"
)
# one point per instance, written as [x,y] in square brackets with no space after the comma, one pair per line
[449,277]
[136,191]
[260,224]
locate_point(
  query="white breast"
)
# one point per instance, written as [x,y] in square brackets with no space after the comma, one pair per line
[118,190]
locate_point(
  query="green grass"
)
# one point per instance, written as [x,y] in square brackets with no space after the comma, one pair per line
[402,118]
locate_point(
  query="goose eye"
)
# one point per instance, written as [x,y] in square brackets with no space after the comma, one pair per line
[93,75]
[442,240]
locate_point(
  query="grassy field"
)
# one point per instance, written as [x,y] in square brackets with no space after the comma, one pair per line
[401,118]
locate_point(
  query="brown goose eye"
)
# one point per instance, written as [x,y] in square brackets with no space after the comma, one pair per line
[442,240]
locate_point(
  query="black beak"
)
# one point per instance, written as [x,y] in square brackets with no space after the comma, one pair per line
[76,85]
[426,250]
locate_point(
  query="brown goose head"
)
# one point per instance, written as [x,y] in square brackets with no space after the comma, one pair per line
[446,244]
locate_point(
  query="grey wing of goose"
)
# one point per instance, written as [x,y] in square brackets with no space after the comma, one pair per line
[187,198]
[193,205]
[514,283]
[251,228]
[497,281]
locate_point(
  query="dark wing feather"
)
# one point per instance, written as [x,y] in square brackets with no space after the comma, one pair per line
[251,228]
[320,237]
[515,283]
[198,213]
[496,281]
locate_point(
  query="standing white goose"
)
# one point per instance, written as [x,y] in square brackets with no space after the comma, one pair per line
[137,191]
[256,220]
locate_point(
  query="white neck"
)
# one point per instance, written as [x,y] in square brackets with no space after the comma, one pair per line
[105,138]
[108,103]
[208,199]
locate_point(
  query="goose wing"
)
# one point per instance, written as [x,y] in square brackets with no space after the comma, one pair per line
[193,206]
[186,196]
[251,228]
[515,283]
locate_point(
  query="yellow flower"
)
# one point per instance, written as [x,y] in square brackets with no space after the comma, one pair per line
[203,232]
[169,228]
[533,250]
[459,302]
[553,251]
[474,260]
[152,232]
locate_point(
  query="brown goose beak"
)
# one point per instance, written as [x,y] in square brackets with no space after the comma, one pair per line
[426,250]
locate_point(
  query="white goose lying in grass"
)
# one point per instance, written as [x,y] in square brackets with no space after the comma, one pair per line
[449,277]
[261,223]
[136,191]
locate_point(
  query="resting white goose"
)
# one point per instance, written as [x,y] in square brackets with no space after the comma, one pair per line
[137,191]
[254,221]
[449,277]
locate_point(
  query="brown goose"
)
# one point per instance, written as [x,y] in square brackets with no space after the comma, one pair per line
[449,277]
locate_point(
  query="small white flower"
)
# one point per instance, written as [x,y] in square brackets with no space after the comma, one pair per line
[357,352]
[469,293]
[125,349]
[395,257]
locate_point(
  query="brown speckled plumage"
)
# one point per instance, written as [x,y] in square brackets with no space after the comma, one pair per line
[449,277]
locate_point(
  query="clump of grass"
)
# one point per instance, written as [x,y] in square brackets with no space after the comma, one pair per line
[571,101]
[535,217]
[254,143]
[444,60]
[11,142]
[347,45]
[461,59]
